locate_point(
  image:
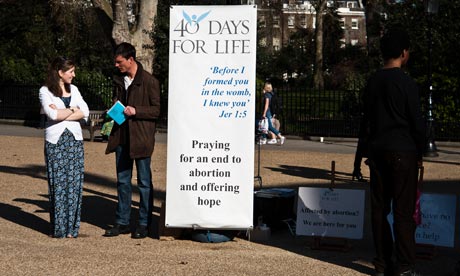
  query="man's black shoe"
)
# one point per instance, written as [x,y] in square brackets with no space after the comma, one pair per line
[140,233]
[116,230]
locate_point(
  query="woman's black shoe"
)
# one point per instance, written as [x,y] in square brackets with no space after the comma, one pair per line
[359,176]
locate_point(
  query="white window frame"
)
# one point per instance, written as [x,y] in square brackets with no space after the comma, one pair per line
[354,24]
[303,22]
[291,21]
[262,21]
[276,44]
[263,41]
[276,21]
[342,22]
[350,5]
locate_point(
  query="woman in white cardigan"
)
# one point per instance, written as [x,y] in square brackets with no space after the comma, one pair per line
[64,154]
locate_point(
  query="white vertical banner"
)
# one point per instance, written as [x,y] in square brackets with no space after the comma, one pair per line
[211,120]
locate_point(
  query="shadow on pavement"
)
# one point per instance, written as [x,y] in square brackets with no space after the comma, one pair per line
[31,170]
[98,209]
[357,258]
[25,219]
[360,255]
[310,173]
[441,162]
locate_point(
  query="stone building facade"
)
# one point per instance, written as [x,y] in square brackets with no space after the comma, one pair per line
[278,19]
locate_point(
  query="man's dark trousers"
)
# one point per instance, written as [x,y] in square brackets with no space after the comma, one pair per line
[393,185]
[124,165]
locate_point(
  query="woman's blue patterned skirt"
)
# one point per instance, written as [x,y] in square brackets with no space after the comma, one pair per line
[65,167]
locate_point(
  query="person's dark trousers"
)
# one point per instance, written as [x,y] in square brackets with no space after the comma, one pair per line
[393,185]
[124,165]
[360,150]
[357,162]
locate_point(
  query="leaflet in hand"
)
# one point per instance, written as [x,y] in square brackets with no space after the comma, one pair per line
[116,113]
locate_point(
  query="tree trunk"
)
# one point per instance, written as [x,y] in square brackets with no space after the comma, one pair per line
[120,29]
[373,10]
[139,38]
[318,78]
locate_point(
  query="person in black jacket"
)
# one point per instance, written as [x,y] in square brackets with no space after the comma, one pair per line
[396,134]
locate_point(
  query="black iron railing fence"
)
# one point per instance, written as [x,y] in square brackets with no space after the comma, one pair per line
[306,112]
[337,113]
[20,101]
[309,112]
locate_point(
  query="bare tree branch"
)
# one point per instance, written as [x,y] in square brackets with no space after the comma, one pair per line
[105,6]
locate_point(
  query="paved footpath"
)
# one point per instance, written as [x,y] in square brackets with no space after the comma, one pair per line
[27,250]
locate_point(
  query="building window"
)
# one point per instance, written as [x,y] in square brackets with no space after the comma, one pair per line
[350,5]
[354,42]
[354,23]
[276,44]
[342,23]
[276,21]
[313,25]
[291,21]
[303,22]
[342,43]
[263,42]
[262,22]
[341,4]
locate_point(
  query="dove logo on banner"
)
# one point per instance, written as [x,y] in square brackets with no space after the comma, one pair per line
[191,25]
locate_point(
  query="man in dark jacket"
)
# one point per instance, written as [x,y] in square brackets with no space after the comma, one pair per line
[134,140]
[396,136]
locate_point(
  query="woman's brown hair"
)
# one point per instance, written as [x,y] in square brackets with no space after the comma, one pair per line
[53,78]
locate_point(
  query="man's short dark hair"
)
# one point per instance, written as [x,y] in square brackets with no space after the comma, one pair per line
[393,42]
[125,50]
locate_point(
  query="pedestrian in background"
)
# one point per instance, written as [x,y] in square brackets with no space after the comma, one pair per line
[267,113]
[134,140]
[64,154]
[396,141]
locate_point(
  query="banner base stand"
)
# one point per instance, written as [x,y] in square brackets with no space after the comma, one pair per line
[258,179]
[331,244]
[425,251]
